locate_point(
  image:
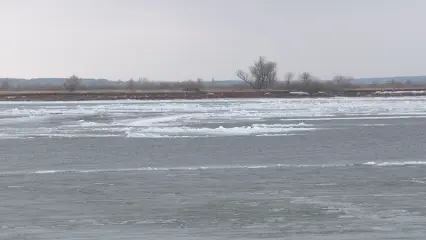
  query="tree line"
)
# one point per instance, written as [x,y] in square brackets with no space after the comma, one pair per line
[260,76]
[263,75]
[74,83]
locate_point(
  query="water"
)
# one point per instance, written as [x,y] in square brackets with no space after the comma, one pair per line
[225,169]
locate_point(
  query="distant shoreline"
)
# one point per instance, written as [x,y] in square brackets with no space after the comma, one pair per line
[186,95]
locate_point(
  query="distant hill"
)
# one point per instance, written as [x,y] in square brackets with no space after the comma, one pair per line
[360,81]
[105,83]
[90,82]
[411,79]
[54,82]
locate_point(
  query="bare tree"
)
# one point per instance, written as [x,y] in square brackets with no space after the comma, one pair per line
[262,75]
[72,83]
[341,82]
[309,83]
[131,84]
[306,78]
[339,79]
[288,78]
[200,83]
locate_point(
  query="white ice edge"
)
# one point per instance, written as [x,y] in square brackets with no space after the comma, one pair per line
[221,167]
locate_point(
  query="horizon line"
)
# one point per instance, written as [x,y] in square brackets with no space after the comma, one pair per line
[212,80]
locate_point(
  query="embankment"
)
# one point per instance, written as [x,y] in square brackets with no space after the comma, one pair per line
[170,95]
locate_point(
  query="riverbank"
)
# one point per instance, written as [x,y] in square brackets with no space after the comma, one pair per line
[170,95]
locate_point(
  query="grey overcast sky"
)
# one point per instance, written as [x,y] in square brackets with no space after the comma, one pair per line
[186,39]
